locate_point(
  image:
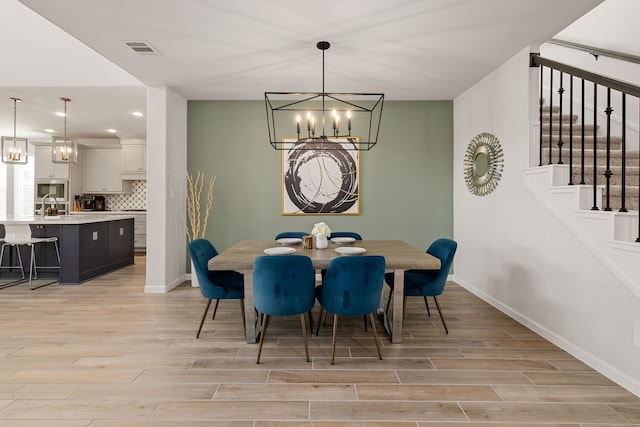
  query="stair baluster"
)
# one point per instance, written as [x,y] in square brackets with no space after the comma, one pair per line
[595,148]
[560,96]
[623,176]
[607,172]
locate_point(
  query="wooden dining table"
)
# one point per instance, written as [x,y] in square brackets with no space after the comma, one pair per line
[399,256]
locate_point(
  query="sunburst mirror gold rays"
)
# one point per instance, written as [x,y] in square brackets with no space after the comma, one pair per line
[483,164]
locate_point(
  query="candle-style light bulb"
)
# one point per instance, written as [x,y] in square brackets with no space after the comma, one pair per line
[309,123]
[334,115]
[298,118]
[337,124]
[349,122]
[313,126]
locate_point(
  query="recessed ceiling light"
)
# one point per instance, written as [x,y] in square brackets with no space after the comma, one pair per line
[49,130]
[137,114]
[112,130]
[60,114]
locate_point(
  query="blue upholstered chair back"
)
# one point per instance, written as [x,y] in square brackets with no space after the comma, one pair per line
[283,285]
[291,234]
[345,234]
[213,284]
[352,285]
[433,281]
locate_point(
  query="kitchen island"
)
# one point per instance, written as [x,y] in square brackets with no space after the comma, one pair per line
[90,245]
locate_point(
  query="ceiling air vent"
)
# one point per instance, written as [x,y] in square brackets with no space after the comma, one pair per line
[142,47]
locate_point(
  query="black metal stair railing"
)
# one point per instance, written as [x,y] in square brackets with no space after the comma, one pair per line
[621,90]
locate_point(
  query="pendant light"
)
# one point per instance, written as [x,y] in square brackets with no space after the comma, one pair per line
[322,120]
[14,150]
[64,149]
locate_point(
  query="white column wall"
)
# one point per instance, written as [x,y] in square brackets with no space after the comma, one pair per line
[516,255]
[166,189]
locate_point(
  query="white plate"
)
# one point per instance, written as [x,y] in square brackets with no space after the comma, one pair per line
[350,250]
[343,240]
[289,241]
[281,250]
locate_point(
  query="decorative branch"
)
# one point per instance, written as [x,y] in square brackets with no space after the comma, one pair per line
[197,220]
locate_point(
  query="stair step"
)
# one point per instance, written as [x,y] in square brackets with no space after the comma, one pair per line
[631,179]
[577,128]
[565,118]
[576,142]
[545,108]
[632,158]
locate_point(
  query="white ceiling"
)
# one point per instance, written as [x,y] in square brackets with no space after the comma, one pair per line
[407,49]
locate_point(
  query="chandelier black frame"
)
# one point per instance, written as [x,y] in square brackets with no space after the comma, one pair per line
[287,110]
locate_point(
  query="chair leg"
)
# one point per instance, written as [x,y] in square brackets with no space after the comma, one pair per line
[319,321]
[304,336]
[16,282]
[244,321]
[333,344]
[265,321]
[204,316]
[33,272]
[215,310]
[310,322]
[439,311]
[375,334]
[426,304]
[386,310]
[365,322]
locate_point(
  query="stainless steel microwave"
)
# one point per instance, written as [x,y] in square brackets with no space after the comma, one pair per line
[58,188]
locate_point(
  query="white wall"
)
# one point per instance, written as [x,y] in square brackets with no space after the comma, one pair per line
[166,188]
[516,255]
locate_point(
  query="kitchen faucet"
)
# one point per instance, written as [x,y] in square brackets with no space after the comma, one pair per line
[44,198]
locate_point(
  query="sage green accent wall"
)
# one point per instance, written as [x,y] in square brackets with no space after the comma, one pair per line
[406,182]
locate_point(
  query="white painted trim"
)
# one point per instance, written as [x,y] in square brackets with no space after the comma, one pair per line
[594,362]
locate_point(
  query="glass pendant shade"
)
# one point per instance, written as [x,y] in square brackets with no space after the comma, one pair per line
[64,149]
[15,150]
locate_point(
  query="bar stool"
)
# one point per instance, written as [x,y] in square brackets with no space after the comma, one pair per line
[16,235]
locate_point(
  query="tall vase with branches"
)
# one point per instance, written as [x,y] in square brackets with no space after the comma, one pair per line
[198,209]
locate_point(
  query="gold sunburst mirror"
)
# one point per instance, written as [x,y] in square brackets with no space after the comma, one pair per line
[483,164]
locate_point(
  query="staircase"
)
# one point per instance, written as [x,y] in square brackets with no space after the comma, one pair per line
[632,172]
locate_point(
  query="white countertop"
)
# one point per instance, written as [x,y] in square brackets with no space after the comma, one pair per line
[108,213]
[77,218]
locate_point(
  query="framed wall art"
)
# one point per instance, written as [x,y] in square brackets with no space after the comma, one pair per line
[318,180]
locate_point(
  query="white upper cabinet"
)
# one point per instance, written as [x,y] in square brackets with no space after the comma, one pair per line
[44,168]
[134,158]
[102,171]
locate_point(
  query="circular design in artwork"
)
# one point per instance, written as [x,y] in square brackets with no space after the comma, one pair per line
[319,180]
[483,164]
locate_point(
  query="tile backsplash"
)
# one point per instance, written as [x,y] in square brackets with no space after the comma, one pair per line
[136,200]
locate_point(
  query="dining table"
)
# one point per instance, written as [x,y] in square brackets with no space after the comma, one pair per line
[399,256]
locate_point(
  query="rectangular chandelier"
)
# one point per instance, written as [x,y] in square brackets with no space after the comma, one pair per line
[14,150]
[325,119]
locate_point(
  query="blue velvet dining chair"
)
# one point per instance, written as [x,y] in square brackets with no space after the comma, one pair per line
[291,235]
[215,285]
[428,283]
[333,234]
[352,287]
[283,285]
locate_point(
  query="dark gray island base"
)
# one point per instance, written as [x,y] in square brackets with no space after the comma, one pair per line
[89,247]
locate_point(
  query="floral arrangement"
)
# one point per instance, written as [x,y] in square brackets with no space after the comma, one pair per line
[321,230]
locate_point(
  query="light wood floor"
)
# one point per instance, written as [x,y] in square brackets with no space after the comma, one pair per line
[104,353]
